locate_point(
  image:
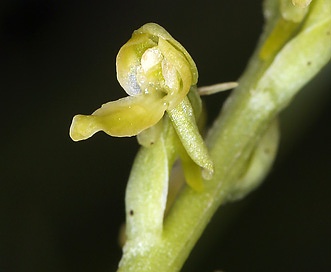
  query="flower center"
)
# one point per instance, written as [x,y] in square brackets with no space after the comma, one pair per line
[155,73]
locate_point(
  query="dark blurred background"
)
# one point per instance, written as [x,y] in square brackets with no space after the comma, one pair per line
[62,203]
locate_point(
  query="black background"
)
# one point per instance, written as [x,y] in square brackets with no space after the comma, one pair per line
[62,203]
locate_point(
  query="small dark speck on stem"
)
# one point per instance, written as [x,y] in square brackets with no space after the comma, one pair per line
[131,212]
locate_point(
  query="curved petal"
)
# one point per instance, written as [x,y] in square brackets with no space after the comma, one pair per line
[180,63]
[125,117]
[127,61]
[159,31]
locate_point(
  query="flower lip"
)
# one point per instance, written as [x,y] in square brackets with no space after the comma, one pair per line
[125,117]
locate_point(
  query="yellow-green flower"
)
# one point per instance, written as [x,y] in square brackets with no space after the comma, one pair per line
[159,76]
[156,72]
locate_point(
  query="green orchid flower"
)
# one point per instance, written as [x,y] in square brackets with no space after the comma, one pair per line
[157,73]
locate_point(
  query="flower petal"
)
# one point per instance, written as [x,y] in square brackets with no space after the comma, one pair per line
[128,60]
[125,117]
[159,31]
[176,59]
